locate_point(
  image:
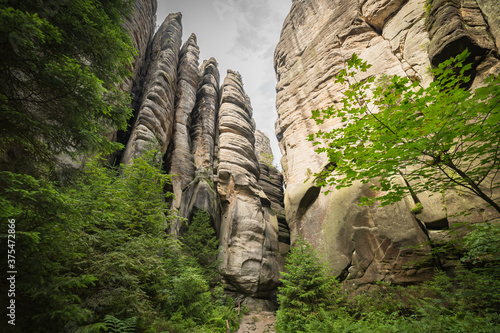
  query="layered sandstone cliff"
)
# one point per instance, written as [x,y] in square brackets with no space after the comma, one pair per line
[155,117]
[206,135]
[366,244]
[249,229]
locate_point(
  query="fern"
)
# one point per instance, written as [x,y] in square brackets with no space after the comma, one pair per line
[115,325]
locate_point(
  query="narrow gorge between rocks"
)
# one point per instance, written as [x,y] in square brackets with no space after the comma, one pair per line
[201,123]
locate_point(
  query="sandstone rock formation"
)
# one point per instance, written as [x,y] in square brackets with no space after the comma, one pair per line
[271,182]
[365,244]
[153,126]
[204,117]
[141,25]
[249,229]
[201,192]
[179,158]
[207,140]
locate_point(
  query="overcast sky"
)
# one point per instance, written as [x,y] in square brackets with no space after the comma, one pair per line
[241,35]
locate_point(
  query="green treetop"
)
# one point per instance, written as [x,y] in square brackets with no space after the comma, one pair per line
[307,288]
[60,66]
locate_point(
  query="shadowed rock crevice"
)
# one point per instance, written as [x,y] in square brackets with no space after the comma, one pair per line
[307,200]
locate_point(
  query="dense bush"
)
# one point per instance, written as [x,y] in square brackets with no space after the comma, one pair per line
[307,289]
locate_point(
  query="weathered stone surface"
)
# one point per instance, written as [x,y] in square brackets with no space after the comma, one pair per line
[248,229]
[200,193]
[263,148]
[179,158]
[362,244]
[396,37]
[141,26]
[376,12]
[153,126]
[491,11]
[454,26]
[204,116]
[271,182]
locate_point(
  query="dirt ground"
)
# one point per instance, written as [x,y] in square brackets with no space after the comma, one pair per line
[258,322]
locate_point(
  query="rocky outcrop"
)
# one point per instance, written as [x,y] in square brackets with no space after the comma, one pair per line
[454,26]
[271,182]
[201,192]
[249,229]
[364,244]
[263,148]
[204,117]
[141,26]
[207,140]
[491,12]
[155,118]
[180,162]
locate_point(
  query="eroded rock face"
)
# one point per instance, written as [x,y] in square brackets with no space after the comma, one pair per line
[141,26]
[207,138]
[271,182]
[249,229]
[204,118]
[179,158]
[363,244]
[454,26]
[153,126]
[201,192]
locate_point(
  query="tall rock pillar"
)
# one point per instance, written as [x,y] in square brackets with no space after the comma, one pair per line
[153,126]
[248,230]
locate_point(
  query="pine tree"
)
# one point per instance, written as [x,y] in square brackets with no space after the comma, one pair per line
[306,288]
[201,243]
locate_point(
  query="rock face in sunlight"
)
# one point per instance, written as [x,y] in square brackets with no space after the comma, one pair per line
[155,118]
[206,135]
[249,229]
[367,244]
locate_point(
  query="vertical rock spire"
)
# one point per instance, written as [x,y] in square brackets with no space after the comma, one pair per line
[248,230]
[204,117]
[179,158]
[153,126]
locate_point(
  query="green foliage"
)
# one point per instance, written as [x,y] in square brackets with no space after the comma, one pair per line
[201,243]
[61,63]
[115,325]
[482,245]
[306,289]
[466,300]
[417,209]
[442,136]
[95,250]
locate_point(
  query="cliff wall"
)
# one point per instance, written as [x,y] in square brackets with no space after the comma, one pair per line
[403,37]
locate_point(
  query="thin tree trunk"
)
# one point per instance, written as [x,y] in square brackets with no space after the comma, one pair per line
[477,190]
